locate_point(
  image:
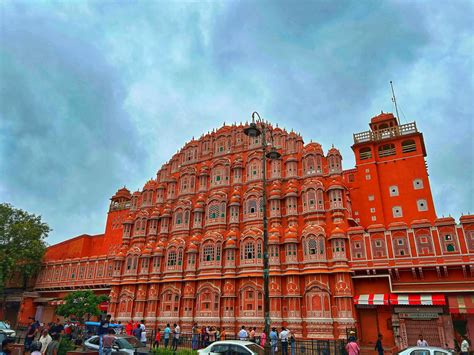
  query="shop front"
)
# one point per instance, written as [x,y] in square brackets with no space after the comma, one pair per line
[414,315]
[461,308]
[374,317]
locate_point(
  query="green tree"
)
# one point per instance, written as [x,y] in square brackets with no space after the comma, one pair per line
[22,244]
[80,304]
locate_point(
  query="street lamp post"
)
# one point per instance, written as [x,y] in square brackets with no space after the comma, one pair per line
[254,131]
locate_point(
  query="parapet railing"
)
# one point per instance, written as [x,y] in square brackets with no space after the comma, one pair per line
[367,136]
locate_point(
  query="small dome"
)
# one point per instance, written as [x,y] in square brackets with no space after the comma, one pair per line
[129,220]
[150,185]
[155,213]
[333,151]
[230,243]
[122,193]
[232,234]
[313,147]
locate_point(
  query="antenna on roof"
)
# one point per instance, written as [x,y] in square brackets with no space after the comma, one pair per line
[394,100]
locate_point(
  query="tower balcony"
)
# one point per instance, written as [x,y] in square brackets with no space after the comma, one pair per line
[386,133]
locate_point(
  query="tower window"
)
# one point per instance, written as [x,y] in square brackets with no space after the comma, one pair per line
[417,184]
[365,153]
[397,212]
[386,150]
[393,190]
[422,205]
[408,146]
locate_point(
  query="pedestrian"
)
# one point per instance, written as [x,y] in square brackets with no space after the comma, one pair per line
[223,334]
[195,337]
[218,334]
[284,340]
[53,347]
[263,338]
[129,328]
[252,335]
[166,335]
[143,334]
[30,334]
[176,333]
[108,341]
[156,342]
[421,342]
[45,339]
[243,335]
[120,327]
[378,345]
[137,332]
[7,346]
[464,346]
[352,347]
[274,341]
[212,335]
[292,344]
[102,330]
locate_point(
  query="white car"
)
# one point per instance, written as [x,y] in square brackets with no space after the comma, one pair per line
[5,329]
[232,347]
[122,343]
[427,350]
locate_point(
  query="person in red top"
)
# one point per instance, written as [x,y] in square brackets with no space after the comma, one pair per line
[156,343]
[129,328]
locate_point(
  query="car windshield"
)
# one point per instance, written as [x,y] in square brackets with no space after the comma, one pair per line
[256,349]
[128,343]
[4,325]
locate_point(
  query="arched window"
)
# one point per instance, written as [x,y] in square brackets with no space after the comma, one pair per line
[365,153]
[386,150]
[254,170]
[251,251]
[424,244]
[314,248]
[309,165]
[178,218]
[172,258]
[216,212]
[220,175]
[408,146]
[211,253]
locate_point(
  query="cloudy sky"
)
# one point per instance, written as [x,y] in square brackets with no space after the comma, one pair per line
[97,95]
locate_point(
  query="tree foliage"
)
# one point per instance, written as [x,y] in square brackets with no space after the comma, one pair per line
[80,304]
[22,244]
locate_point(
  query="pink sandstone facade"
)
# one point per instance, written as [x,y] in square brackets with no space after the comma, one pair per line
[359,248]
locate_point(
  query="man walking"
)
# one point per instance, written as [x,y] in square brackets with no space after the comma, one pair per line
[176,332]
[166,335]
[284,341]
[379,346]
[243,335]
[103,329]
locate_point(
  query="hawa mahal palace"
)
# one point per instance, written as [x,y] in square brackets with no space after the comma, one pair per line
[361,248]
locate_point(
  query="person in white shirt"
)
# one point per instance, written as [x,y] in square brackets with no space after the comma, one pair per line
[284,340]
[45,339]
[175,342]
[464,346]
[421,342]
[243,335]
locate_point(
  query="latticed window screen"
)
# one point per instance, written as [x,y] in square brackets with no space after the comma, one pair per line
[171,258]
[208,253]
[213,211]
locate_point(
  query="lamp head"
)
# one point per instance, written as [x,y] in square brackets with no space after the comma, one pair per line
[252,130]
[273,154]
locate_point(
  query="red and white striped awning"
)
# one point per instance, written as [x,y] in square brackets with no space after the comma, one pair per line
[377,299]
[57,302]
[417,300]
[461,304]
